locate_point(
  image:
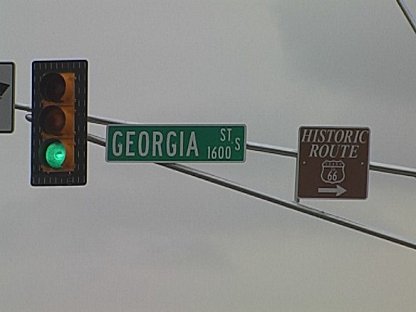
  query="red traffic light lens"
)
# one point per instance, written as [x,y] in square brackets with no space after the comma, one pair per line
[52,87]
[52,119]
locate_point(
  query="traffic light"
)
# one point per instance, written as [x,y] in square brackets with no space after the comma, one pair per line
[59,123]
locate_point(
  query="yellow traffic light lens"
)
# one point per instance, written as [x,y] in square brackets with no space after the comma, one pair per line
[55,155]
[52,87]
[52,119]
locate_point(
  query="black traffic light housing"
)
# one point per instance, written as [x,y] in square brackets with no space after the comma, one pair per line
[59,123]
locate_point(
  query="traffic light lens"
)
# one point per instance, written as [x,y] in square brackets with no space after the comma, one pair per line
[52,119]
[55,155]
[52,87]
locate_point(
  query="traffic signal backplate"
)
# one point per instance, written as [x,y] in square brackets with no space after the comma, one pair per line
[59,123]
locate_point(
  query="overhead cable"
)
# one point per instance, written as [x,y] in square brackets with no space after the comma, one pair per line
[275,200]
[406,11]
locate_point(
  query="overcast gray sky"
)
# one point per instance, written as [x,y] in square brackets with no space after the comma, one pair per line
[140,237]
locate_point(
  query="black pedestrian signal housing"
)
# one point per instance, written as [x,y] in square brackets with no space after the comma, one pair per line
[59,123]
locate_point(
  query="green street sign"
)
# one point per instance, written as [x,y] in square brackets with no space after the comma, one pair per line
[176,143]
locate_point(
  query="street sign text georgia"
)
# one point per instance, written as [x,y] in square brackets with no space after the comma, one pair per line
[176,143]
[333,162]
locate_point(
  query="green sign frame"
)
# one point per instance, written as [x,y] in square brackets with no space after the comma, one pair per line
[176,143]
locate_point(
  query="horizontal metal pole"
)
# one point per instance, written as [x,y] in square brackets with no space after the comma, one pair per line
[104,121]
[96,140]
[374,166]
[22,107]
[265,148]
[393,169]
[283,151]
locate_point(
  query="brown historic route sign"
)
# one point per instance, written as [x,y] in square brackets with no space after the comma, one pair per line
[333,162]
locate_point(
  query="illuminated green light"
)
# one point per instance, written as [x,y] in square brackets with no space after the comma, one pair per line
[55,155]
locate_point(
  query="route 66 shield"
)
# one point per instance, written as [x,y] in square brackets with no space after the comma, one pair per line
[333,172]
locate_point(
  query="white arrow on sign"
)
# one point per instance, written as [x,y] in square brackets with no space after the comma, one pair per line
[338,190]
